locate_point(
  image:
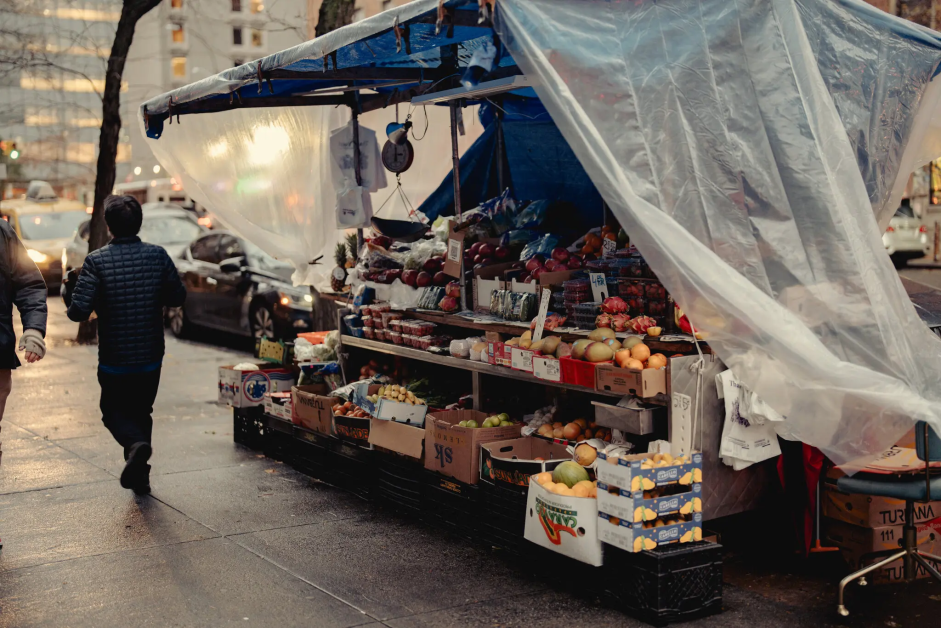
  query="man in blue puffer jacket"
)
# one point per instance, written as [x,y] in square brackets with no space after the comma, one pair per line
[128,283]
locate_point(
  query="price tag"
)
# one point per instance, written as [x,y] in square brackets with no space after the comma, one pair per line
[522,360]
[541,317]
[682,422]
[599,286]
[547,368]
[608,247]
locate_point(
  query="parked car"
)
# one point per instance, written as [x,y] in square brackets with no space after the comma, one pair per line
[234,286]
[906,238]
[168,226]
[44,223]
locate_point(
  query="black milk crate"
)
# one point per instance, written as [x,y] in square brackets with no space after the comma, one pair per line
[248,425]
[399,482]
[503,508]
[312,454]
[278,441]
[671,583]
[450,504]
[352,468]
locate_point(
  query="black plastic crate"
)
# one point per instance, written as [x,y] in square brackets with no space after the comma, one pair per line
[450,504]
[671,583]
[278,439]
[503,509]
[248,426]
[312,454]
[352,468]
[398,485]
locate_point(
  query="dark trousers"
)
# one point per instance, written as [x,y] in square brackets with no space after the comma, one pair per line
[127,402]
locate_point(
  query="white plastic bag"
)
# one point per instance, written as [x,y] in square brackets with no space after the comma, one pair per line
[746,438]
[351,211]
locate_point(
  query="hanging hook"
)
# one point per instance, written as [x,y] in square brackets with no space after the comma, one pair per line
[398,34]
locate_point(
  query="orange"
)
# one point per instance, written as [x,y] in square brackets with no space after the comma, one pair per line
[611,236]
[588,249]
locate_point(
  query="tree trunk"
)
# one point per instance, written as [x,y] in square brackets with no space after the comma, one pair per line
[131,12]
[333,15]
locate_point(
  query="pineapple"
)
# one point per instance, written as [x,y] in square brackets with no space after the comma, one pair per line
[351,245]
[338,277]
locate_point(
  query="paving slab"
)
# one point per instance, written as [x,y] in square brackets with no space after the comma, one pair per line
[390,567]
[257,495]
[203,584]
[180,444]
[34,463]
[57,423]
[52,525]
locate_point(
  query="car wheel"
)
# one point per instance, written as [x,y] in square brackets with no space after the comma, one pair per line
[262,322]
[179,322]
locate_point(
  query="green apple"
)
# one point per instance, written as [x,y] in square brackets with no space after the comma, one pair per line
[503,416]
[472,423]
[462,424]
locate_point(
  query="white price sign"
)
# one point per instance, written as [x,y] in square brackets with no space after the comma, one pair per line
[541,316]
[547,368]
[599,286]
[608,247]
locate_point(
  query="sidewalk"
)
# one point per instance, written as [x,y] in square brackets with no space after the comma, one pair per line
[230,538]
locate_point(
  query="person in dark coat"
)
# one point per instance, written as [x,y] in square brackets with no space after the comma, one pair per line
[23,287]
[127,283]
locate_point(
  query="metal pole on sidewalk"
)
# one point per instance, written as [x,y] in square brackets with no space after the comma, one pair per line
[937,240]
[456,173]
[357,166]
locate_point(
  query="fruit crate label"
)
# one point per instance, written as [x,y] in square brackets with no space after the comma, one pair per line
[599,286]
[541,316]
[548,369]
[522,360]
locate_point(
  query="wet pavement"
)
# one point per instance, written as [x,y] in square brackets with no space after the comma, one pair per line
[230,538]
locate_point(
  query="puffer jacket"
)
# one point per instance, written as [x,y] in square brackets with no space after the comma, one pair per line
[23,287]
[127,283]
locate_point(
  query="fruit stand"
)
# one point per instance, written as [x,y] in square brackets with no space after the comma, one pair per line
[554,346]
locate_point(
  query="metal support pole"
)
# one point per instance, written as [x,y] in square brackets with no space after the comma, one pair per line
[500,153]
[456,173]
[937,240]
[357,165]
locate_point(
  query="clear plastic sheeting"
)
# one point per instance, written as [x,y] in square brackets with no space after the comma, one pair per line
[713,129]
[266,173]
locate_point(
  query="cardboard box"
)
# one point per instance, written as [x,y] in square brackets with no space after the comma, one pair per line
[313,409]
[548,369]
[522,359]
[247,389]
[628,474]
[398,437]
[566,525]
[499,354]
[279,405]
[635,508]
[353,430]
[511,462]
[633,537]
[644,383]
[872,512]
[454,451]
[483,289]
[400,412]
[856,542]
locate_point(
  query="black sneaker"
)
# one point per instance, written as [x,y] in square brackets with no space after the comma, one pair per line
[143,486]
[136,470]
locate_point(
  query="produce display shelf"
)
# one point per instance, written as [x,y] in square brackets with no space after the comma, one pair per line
[460,363]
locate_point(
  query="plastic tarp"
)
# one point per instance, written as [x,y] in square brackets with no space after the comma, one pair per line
[746,146]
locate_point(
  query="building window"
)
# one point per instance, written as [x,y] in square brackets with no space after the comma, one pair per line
[124,153]
[80,152]
[257,40]
[85,123]
[237,36]
[179,67]
[257,6]
[176,31]
[176,4]
[386,5]
[41,116]
[359,15]
[236,6]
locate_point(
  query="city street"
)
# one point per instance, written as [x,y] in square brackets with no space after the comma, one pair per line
[232,538]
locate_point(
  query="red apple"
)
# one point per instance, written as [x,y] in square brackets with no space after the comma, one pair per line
[538,271]
[501,253]
[534,262]
[441,279]
[423,279]
[551,265]
[432,264]
[560,254]
[486,249]
[410,278]
[574,262]
[486,261]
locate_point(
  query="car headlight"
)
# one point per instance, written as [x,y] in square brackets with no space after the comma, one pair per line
[287,298]
[37,256]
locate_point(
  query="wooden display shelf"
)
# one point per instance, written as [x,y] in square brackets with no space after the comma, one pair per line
[460,363]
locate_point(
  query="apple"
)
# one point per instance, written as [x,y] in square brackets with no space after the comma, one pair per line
[486,261]
[486,249]
[432,264]
[534,262]
[574,263]
[475,247]
[410,278]
[423,279]
[538,271]
[501,252]
[441,279]
[560,254]
[551,265]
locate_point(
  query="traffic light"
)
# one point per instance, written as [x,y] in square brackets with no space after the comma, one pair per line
[14,152]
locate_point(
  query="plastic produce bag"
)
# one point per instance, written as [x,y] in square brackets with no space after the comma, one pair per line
[540,246]
[749,148]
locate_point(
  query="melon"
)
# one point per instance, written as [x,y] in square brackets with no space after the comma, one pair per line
[569,473]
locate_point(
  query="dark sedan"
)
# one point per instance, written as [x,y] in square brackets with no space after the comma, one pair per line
[234,286]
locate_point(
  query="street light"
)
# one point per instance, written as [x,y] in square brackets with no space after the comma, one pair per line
[137,170]
[156,169]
